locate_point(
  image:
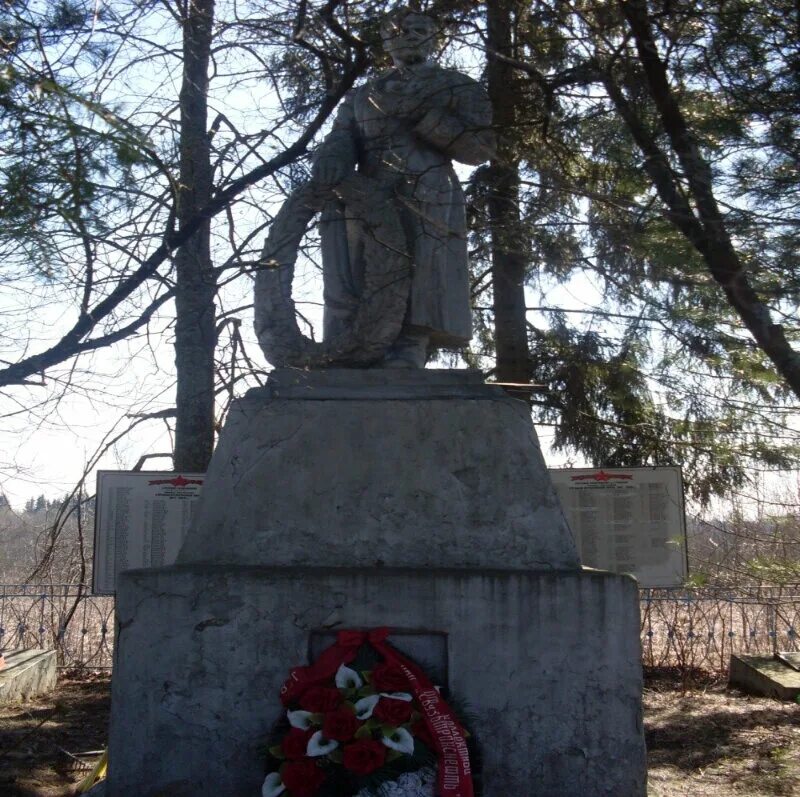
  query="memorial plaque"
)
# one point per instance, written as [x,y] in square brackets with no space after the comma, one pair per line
[627,520]
[140,521]
[427,648]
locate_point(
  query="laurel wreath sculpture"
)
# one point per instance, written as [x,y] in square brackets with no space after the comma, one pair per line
[376,322]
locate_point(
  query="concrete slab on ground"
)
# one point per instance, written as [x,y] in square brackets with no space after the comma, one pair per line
[28,673]
[791,658]
[764,675]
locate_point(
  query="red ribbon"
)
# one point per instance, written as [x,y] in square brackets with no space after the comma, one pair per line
[449,739]
[343,651]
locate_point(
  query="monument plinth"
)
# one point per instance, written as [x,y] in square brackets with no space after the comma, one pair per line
[381,496]
[548,663]
[411,499]
[406,468]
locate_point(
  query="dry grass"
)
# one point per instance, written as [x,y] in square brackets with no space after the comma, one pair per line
[36,738]
[709,741]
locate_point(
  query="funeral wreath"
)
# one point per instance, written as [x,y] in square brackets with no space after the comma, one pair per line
[365,720]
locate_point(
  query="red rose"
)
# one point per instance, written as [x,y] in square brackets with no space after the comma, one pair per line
[392,712]
[364,756]
[419,730]
[320,698]
[295,743]
[302,778]
[340,724]
[389,678]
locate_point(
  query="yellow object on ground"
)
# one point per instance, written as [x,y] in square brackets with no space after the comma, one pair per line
[96,775]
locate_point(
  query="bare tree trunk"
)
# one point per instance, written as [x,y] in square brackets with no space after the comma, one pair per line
[195,334]
[509,251]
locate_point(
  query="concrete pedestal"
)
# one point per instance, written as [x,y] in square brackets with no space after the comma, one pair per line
[394,468]
[414,500]
[547,662]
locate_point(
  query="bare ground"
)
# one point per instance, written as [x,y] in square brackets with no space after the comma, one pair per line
[37,737]
[703,740]
[710,741]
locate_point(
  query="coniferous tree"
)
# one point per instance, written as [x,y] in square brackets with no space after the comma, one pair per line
[651,151]
[664,369]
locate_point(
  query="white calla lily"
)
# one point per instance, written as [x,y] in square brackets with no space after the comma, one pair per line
[404,696]
[365,706]
[299,719]
[318,745]
[347,678]
[399,739]
[273,786]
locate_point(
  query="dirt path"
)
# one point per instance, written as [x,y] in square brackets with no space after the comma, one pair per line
[704,742]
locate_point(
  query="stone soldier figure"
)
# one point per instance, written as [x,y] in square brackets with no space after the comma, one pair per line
[404,129]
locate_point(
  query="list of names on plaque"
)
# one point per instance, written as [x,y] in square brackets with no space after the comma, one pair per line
[140,521]
[627,520]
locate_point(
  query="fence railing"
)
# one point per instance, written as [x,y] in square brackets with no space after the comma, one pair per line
[701,628]
[688,630]
[62,616]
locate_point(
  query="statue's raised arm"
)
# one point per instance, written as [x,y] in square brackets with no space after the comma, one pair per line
[396,137]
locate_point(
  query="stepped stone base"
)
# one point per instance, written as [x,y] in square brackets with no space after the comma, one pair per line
[27,673]
[548,662]
[356,499]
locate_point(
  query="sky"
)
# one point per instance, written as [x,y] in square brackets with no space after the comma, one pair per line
[49,433]
[46,452]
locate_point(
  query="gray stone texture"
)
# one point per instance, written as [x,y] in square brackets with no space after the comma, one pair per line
[413,499]
[28,673]
[404,129]
[764,675]
[548,662]
[379,467]
[393,231]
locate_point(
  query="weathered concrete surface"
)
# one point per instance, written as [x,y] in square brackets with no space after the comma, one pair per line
[28,673]
[305,474]
[791,658]
[393,232]
[376,385]
[764,675]
[549,663]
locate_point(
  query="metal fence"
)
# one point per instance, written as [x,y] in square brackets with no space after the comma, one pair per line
[687,630]
[62,616]
[700,629]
